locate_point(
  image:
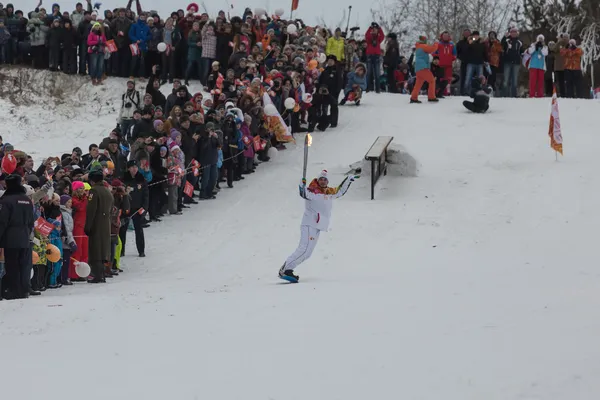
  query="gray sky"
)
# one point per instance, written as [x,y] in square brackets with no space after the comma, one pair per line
[309,10]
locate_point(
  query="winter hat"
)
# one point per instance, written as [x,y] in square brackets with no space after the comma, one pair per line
[215,64]
[174,133]
[194,6]
[28,190]
[175,148]
[247,119]
[573,42]
[210,126]
[56,223]
[422,39]
[540,38]
[77,185]
[514,29]
[95,176]
[475,33]
[116,183]
[13,181]
[64,199]
[323,174]
[156,123]
[164,148]
[131,163]
[97,25]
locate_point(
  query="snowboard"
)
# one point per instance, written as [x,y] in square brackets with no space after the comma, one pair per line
[288,279]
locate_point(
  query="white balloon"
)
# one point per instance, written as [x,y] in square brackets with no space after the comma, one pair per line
[279,12]
[307,97]
[321,58]
[82,269]
[259,12]
[270,110]
[290,103]
[292,29]
[273,153]
[162,47]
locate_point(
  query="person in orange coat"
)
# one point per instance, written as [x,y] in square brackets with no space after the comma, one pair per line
[494,50]
[422,68]
[573,75]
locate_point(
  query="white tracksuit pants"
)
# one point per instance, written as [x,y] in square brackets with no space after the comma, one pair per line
[309,237]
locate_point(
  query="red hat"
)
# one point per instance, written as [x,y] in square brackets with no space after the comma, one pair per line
[116,183]
[193,5]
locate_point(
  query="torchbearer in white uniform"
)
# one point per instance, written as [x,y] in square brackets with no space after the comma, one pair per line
[317,214]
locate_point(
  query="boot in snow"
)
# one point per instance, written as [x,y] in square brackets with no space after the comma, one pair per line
[288,275]
[415,101]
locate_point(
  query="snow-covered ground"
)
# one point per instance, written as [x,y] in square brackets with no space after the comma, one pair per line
[477,279]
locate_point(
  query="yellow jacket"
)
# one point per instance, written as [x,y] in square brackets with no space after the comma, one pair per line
[335,47]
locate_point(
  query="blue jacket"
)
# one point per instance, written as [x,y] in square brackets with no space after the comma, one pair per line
[422,56]
[354,79]
[140,31]
[538,57]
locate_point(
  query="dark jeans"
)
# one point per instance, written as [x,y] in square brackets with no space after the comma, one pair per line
[17,262]
[373,72]
[54,58]
[168,66]
[573,80]
[69,61]
[3,53]
[138,63]
[158,198]
[96,65]
[511,78]
[64,272]
[140,242]
[83,57]
[209,180]
[123,59]
[205,67]
[190,69]
[559,78]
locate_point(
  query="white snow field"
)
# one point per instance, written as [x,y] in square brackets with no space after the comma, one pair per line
[478,279]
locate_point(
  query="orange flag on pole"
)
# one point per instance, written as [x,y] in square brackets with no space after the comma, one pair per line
[554,131]
[295,5]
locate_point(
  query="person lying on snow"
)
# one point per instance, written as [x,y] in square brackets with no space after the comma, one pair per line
[480,92]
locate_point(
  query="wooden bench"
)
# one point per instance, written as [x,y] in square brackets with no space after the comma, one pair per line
[377,154]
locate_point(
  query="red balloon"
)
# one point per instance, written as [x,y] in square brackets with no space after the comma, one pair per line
[9,163]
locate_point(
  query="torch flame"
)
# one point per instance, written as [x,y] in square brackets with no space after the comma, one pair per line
[309,141]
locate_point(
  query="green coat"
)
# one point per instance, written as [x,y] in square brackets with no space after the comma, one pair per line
[97,223]
[194,51]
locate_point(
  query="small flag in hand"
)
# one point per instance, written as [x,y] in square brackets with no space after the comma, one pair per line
[554,131]
[141,211]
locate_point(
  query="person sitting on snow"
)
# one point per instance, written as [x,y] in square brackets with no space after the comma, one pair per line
[440,77]
[480,92]
[357,83]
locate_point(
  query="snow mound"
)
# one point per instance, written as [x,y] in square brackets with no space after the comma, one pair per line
[402,163]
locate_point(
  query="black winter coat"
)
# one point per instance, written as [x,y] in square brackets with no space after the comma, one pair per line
[462,48]
[54,37]
[158,99]
[139,191]
[208,149]
[476,53]
[16,219]
[513,48]
[159,172]
[330,78]
[70,39]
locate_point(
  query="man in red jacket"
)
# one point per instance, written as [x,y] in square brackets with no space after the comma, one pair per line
[374,37]
[447,54]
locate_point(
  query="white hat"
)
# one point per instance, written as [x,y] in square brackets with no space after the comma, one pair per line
[323,174]
[540,37]
[28,190]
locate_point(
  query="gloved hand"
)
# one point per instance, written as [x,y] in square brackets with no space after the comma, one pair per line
[304,181]
[73,246]
[539,45]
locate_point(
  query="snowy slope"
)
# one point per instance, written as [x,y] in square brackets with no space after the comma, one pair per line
[476,280]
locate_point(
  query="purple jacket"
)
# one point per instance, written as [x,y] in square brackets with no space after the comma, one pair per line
[249,152]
